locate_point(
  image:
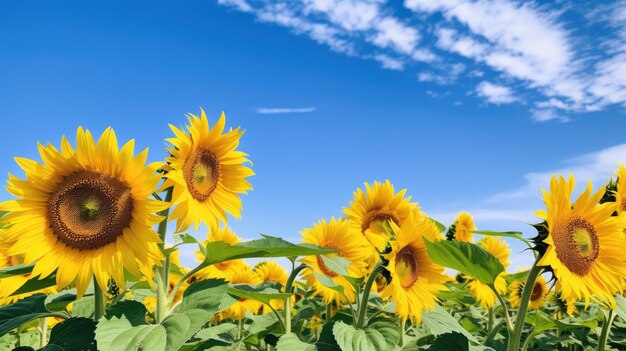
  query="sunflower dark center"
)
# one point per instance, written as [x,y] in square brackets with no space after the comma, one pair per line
[89,210]
[201,172]
[623,204]
[407,267]
[576,244]
[374,219]
[537,292]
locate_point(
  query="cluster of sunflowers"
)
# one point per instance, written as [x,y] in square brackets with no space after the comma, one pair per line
[82,251]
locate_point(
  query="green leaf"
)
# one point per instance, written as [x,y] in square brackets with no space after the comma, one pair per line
[542,322]
[36,284]
[328,282]
[340,266]
[133,311]
[291,342]
[516,235]
[440,322]
[220,251]
[450,341]
[350,339]
[223,331]
[466,258]
[184,239]
[259,293]
[58,302]
[118,333]
[22,311]
[177,327]
[16,270]
[621,306]
[74,334]
[388,329]
[205,295]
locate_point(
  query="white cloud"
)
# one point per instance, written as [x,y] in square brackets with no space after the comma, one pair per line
[451,74]
[352,15]
[389,62]
[449,39]
[392,33]
[241,5]
[277,110]
[495,94]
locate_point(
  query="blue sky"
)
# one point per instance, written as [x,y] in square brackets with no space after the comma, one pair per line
[471,105]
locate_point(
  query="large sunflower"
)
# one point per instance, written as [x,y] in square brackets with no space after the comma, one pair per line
[481,291]
[621,188]
[223,270]
[464,225]
[415,279]
[85,212]
[379,203]
[585,242]
[243,275]
[537,297]
[206,172]
[335,234]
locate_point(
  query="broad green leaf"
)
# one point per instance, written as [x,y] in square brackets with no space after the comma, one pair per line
[388,329]
[74,334]
[133,311]
[450,341]
[328,282]
[440,226]
[291,342]
[261,326]
[36,284]
[466,258]
[220,251]
[205,295]
[118,333]
[440,322]
[184,239]
[58,302]
[16,270]
[621,306]
[351,339]
[259,293]
[516,235]
[222,331]
[177,327]
[542,322]
[340,266]
[22,311]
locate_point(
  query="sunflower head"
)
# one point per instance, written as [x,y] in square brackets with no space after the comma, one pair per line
[483,293]
[207,173]
[271,271]
[415,279]
[584,242]
[375,207]
[340,235]
[81,214]
[538,295]
[243,275]
[462,228]
[497,247]
[223,270]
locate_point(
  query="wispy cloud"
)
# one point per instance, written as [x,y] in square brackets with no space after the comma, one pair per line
[277,110]
[529,46]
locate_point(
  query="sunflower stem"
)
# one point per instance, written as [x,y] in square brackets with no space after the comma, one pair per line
[360,322]
[606,328]
[44,332]
[402,331]
[288,287]
[490,323]
[514,338]
[163,271]
[99,303]
[189,274]
[507,317]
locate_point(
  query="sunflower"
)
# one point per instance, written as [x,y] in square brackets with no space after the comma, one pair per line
[464,226]
[537,297]
[620,194]
[584,244]
[377,205]
[481,291]
[10,285]
[272,271]
[221,270]
[335,234]
[562,307]
[207,173]
[415,279]
[86,212]
[243,275]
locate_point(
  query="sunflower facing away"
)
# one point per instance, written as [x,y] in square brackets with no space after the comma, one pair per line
[537,297]
[85,212]
[415,279]
[464,225]
[379,203]
[481,291]
[207,173]
[221,270]
[243,275]
[584,243]
[335,234]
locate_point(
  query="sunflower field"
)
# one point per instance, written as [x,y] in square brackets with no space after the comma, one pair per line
[84,264]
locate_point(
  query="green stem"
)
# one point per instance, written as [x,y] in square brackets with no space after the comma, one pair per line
[329,311]
[360,322]
[606,328]
[189,274]
[99,303]
[240,329]
[44,332]
[163,271]
[514,338]
[528,340]
[507,318]
[402,331]
[493,333]
[490,323]
[288,288]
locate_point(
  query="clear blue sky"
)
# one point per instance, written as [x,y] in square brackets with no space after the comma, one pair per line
[418,93]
